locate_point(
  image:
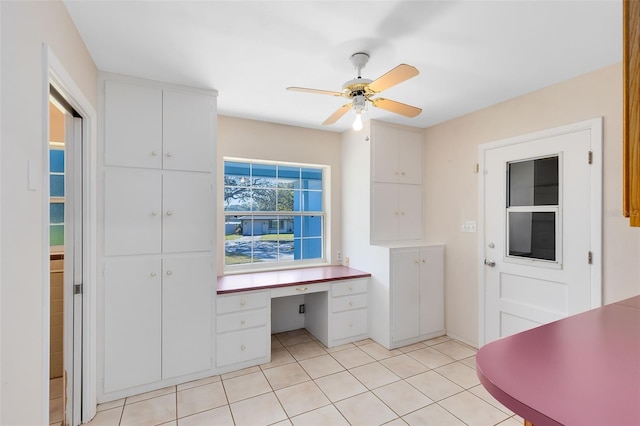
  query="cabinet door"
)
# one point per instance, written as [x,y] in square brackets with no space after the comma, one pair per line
[188,131]
[405,294]
[132,212]
[384,154]
[187,297]
[132,322]
[410,158]
[384,212]
[410,212]
[431,289]
[188,216]
[132,125]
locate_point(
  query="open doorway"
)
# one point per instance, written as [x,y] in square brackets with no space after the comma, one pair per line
[65,261]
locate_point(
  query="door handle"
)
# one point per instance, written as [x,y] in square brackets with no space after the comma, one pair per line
[489,263]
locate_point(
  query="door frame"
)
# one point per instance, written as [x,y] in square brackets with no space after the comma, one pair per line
[55,74]
[595,127]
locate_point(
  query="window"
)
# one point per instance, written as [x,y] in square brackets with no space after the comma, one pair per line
[274,212]
[56,192]
[533,209]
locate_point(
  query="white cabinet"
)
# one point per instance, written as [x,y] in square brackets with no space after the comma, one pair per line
[148,211]
[396,154]
[396,213]
[157,235]
[157,318]
[243,334]
[396,183]
[417,293]
[153,127]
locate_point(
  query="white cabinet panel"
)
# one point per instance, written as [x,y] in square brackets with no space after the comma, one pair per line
[347,287]
[187,292]
[396,213]
[241,320]
[348,324]
[133,125]
[346,303]
[405,294]
[243,301]
[396,155]
[188,131]
[431,289]
[188,214]
[133,211]
[133,322]
[410,212]
[410,158]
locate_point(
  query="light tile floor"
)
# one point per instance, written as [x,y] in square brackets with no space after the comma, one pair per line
[428,383]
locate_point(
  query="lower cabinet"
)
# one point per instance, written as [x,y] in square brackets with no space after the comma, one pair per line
[157,318]
[417,293]
[348,315]
[243,331]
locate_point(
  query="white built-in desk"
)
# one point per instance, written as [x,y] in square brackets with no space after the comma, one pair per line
[335,310]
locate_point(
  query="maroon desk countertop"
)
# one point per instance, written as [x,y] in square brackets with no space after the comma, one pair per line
[581,370]
[284,278]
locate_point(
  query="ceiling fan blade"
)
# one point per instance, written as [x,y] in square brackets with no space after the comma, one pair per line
[397,75]
[396,107]
[318,91]
[338,114]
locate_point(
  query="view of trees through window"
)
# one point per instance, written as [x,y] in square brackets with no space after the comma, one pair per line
[273,212]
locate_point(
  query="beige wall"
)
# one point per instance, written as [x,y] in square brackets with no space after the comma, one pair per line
[25,26]
[451,190]
[260,140]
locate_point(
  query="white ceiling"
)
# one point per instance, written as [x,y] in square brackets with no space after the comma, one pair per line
[471,54]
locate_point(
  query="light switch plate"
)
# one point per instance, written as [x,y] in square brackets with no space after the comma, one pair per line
[469,226]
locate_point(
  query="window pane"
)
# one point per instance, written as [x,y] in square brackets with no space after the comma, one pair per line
[56,235]
[285,200]
[237,247]
[236,174]
[311,201]
[264,175]
[533,182]
[56,213]
[311,248]
[312,179]
[56,160]
[311,226]
[532,235]
[288,177]
[264,200]
[237,198]
[56,183]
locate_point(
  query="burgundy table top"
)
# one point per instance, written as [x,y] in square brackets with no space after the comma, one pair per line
[581,370]
[290,277]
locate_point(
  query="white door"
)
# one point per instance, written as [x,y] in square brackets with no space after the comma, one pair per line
[405,297]
[542,218]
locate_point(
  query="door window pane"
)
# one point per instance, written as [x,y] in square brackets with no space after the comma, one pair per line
[532,235]
[533,182]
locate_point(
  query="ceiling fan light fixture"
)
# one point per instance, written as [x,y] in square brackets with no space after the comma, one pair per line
[357,123]
[359,106]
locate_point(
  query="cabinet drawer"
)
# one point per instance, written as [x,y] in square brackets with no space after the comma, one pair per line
[349,287]
[241,302]
[241,320]
[349,324]
[240,346]
[347,303]
[294,290]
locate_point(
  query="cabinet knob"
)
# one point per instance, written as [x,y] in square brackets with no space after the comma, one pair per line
[169,154]
[395,173]
[241,322]
[350,288]
[169,272]
[169,213]
[350,325]
[242,302]
[401,213]
[350,303]
[154,153]
[424,260]
[154,213]
[416,261]
[402,173]
[153,274]
[242,348]
[301,288]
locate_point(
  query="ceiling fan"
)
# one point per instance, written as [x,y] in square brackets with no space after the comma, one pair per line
[362,91]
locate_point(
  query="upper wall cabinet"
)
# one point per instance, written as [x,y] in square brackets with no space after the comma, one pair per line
[631,114]
[151,127]
[396,154]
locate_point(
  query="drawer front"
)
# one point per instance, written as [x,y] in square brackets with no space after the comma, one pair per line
[241,302]
[347,303]
[241,320]
[240,346]
[294,290]
[349,287]
[349,324]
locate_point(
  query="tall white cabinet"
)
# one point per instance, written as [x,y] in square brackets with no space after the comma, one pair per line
[157,235]
[383,233]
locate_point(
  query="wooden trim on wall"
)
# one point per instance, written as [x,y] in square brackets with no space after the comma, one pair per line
[631,111]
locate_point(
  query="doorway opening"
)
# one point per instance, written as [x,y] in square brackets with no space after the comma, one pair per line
[65,260]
